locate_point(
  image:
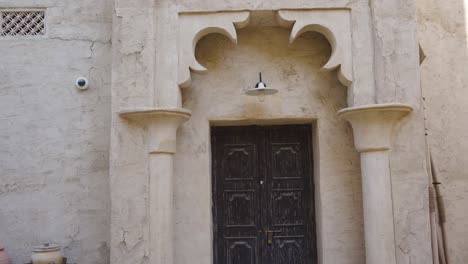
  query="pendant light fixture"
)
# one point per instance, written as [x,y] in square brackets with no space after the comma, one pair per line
[261,90]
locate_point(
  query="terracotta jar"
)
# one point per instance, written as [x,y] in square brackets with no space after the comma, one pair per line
[4,259]
[47,254]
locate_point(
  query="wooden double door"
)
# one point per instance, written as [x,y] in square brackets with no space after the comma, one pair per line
[262,195]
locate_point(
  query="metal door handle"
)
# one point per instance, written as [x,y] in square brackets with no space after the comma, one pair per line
[270,235]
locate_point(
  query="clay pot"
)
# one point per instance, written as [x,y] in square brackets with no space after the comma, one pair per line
[4,259]
[47,254]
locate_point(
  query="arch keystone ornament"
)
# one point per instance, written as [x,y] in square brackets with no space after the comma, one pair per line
[193,27]
[335,25]
[372,128]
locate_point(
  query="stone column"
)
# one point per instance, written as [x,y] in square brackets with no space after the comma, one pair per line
[372,128]
[161,126]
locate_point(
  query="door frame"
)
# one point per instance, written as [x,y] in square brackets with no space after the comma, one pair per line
[312,192]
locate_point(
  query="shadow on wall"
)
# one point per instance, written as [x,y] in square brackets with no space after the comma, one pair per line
[442,33]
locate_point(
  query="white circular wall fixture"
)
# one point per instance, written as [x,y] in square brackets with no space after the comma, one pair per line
[82,83]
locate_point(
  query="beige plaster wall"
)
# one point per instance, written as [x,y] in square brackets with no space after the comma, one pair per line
[304,93]
[442,32]
[54,139]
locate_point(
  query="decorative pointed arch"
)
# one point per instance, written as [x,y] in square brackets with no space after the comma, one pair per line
[193,27]
[335,25]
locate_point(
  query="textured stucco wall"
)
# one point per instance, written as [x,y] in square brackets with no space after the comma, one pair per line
[397,79]
[55,139]
[442,32]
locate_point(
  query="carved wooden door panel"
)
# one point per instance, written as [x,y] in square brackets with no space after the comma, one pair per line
[262,195]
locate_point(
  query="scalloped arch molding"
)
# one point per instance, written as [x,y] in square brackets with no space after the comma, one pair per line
[334,24]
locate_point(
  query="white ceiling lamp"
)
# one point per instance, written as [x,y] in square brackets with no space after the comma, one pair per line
[261,90]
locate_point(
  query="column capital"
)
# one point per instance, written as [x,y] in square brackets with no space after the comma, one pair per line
[161,125]
[373,124]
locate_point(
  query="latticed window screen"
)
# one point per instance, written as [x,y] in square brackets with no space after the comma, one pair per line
[22,23]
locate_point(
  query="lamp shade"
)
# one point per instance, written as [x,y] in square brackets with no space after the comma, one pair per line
[261,89]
